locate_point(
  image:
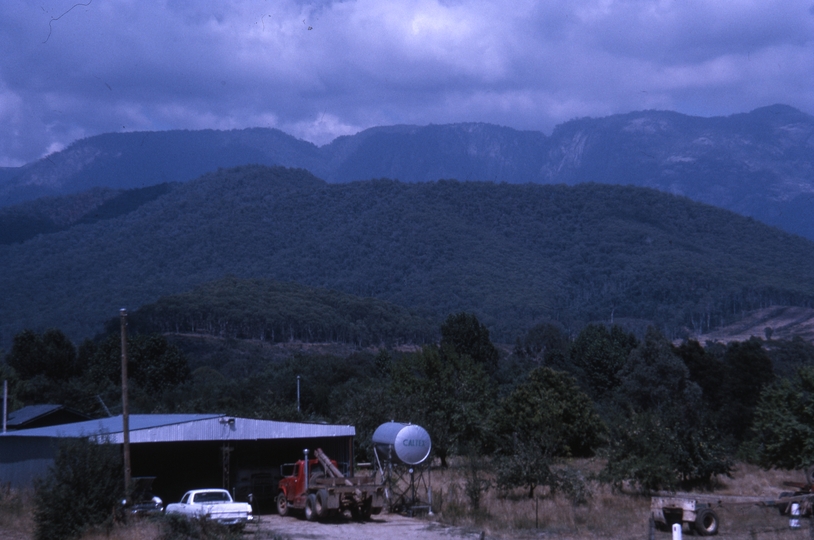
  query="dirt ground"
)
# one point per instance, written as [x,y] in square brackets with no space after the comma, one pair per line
[380,527]
[737,523]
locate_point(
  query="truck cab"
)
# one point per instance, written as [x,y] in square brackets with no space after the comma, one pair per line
[293,482]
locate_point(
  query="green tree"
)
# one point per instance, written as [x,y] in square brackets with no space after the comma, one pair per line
[544,418]
[541,342]
[654,378]
[598,356]
[7,373]
[466,335]
[50,354]
[706,370]
[653,454]
[748,369]
[449,394]
[661,434]
[154,365]
[47,370]
[789,355]
[784,422]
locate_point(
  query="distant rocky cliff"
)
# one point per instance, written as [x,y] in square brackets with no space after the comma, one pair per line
[760,164]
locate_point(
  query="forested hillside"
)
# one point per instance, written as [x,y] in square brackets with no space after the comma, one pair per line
[513,254]
[51,214]
[141,159]
[271,311]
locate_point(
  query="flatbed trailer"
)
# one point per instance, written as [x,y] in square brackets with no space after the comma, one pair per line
[698,510]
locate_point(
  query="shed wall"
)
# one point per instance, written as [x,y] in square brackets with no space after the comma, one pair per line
[24,459]
[181,466]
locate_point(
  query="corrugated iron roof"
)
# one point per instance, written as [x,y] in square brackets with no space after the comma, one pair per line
[31,412]
[188,427]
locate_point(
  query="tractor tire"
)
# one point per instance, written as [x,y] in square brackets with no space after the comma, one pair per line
[282,505]
[706,522]
[310,508]
[321,506]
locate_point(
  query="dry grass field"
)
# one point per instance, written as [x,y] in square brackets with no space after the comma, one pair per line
[610,514]
[16,515]
[512,516]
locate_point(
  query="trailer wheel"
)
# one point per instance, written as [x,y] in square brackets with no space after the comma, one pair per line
[310,507]
[282,504]
[321,503]
[706,522]
[366,509]
[661,526]
[783,508]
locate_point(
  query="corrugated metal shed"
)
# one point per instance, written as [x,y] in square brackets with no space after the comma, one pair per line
[188,427]
[182,450]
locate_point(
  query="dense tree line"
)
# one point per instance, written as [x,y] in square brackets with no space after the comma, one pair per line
[662,416]
[48,368]
[511,254]
[276,312]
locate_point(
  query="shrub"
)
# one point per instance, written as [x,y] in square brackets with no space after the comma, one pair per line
[83,489]
[476,483]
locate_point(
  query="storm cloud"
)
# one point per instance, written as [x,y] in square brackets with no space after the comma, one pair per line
[322,69]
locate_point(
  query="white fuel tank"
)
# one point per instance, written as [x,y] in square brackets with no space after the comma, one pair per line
[402,443]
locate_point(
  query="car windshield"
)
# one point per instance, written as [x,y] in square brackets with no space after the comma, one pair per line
[212,496]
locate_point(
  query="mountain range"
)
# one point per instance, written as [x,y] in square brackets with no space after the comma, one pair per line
[513,254]
[758,164]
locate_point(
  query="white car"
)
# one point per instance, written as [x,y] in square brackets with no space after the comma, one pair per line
[213,504]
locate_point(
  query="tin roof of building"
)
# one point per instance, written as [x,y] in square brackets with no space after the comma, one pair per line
[41,414]
[31,412]
[187,427]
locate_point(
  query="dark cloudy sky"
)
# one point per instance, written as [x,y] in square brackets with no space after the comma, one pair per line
[319,69]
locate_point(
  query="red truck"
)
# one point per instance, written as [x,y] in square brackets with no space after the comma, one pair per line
[317,487]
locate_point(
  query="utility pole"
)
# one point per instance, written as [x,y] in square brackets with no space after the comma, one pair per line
[298,393]
[5,405]
[125,406]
